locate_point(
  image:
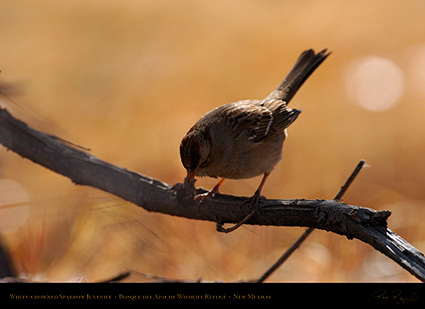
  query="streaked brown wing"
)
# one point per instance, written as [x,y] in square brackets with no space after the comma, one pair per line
[249,118]
[283,116]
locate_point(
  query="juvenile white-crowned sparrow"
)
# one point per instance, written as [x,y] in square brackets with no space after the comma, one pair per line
[244,139]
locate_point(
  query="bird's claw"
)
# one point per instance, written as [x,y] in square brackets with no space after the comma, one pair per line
[203,196]
[252,202]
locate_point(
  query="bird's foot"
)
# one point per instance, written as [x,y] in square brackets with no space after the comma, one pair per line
[203,196]
[212,192]
[252,203]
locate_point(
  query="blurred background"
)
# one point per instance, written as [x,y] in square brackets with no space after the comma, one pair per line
[127,79]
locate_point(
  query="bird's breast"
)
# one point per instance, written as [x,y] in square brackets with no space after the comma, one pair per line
[253,160]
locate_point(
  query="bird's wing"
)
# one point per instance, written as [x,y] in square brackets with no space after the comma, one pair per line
[256,120]
[283,116]
[249,119]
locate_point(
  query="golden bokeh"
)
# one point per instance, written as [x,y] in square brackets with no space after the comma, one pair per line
[127,79]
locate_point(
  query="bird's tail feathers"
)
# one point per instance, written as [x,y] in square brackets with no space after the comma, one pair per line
[305,65]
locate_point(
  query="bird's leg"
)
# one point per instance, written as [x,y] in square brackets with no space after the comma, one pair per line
[253,202]
[213,191]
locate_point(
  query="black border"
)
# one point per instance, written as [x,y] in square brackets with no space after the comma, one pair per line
[283,294]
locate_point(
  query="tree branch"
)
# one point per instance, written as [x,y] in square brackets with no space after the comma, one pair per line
[365,224]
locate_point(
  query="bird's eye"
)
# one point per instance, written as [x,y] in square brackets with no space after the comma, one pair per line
[204,163]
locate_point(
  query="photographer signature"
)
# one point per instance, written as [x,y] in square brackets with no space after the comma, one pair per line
[384,296]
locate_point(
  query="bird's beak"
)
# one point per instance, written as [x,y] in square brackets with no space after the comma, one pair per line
[191,174]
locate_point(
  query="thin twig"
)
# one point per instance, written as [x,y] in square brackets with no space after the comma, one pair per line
[308,231]
[285,256]
[350,180]
[221,229]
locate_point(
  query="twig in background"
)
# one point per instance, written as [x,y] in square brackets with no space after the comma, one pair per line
[308,231]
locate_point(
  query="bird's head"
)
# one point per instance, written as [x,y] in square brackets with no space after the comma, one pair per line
[195,150]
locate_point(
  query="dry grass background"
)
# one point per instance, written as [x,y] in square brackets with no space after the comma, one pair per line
[128,78]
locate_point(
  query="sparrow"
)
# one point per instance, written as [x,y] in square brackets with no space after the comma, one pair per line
[244,139]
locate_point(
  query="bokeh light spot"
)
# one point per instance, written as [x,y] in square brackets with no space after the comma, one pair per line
[374,83]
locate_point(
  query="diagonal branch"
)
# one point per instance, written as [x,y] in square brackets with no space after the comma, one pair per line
[82,168]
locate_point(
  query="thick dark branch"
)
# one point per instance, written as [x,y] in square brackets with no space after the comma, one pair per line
[82,168]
